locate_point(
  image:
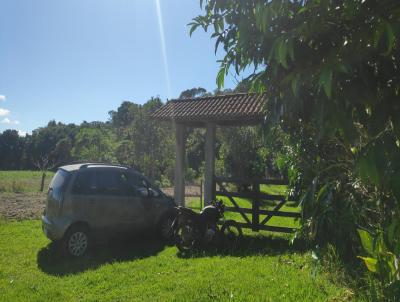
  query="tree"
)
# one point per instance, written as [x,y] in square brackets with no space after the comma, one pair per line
[145,143]
[96,144]
[242,152]
[11,150]
[330,70]
[192,93]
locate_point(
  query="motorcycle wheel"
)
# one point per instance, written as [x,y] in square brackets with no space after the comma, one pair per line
[231,231]
[185,238]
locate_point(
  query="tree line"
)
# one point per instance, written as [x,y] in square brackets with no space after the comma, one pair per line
[131,137]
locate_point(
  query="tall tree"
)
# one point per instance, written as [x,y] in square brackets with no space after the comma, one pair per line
[330,70]
[11,150]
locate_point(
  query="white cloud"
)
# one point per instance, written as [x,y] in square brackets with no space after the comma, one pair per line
[9,122]
[4,112]
[21,133]
[2,97]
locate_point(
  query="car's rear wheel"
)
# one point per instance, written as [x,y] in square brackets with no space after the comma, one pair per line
[76,240]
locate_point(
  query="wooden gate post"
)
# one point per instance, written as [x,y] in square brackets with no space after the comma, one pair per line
[256,207]
[209,163]
[179,183]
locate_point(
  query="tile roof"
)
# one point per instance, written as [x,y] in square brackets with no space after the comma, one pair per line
[244,107]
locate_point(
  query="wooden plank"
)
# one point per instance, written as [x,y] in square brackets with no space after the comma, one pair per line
[227,194]
[252,195]
[265,212]
[276,209]
[256,207]
[250,181]
[270,228]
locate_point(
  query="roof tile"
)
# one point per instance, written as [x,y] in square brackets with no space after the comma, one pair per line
[214,108]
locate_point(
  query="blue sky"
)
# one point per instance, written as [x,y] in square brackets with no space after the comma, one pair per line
[75,60]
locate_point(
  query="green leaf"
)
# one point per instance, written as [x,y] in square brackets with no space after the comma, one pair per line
[366,166]
[390,37]
[370,263]
[221,78]
[295,85]
[322,192]
[219,40]
[367,241]
[290,49]
[193,28]
[377,34]
[325,81]
[282,53]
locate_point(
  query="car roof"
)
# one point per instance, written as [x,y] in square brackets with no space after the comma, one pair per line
[75,167]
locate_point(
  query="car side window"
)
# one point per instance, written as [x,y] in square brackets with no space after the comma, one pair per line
[85,183]
[109,183]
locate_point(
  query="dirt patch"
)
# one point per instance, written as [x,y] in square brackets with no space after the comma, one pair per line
[30,205]
[22,205]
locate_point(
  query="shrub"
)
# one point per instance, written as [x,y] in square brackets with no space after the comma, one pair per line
[383,259]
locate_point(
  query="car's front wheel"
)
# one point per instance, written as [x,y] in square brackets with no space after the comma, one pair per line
[76,240]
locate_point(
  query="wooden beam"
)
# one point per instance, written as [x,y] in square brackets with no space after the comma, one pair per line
[209,163]
[252,195]
[264,212]
[249,181]
[179,186]
[271,228]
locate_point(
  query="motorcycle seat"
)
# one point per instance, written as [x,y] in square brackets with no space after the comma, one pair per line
[187,211]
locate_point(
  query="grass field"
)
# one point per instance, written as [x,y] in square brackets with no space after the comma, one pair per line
[260,269]
[22,181]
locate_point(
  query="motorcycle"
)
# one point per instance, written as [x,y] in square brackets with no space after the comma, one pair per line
[193,229]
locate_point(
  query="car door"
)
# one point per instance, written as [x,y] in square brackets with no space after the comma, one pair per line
[117,204]
[85,205]
[138,185]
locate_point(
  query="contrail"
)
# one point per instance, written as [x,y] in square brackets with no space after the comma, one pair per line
[163,47]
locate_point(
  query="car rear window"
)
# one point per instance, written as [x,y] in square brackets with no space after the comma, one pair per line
[59,180]
[58,184]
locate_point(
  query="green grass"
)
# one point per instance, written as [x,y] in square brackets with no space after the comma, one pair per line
[23,181]
[259,269]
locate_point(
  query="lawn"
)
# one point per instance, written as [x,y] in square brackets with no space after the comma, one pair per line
[23,181]
[259,269]
[263,267]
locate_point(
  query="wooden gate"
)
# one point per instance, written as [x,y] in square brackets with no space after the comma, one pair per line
[252,215]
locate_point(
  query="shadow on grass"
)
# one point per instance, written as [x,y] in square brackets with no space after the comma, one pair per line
[51,260]
[249,246]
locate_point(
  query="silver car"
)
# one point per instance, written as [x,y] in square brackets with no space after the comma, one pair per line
[85,200]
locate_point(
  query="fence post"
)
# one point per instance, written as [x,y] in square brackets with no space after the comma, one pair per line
[255,207]
[42,181]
